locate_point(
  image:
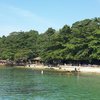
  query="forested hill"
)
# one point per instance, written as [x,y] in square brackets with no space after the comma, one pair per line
[78,43]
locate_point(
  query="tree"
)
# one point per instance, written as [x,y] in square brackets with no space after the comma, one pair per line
[79,43]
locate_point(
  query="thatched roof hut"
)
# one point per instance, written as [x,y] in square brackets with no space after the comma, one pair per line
[37,60]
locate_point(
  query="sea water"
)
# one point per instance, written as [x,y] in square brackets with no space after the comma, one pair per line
[28,84]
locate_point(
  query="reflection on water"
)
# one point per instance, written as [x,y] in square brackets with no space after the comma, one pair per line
[27,84]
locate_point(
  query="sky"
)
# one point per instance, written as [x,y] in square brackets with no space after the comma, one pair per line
[25,15]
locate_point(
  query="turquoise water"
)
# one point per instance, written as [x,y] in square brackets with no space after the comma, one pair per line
[27,84]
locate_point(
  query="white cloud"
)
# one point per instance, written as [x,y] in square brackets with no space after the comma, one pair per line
[26,14]
[31,19]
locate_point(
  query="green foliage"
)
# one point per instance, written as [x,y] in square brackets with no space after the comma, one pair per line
[19,45]
[81,42]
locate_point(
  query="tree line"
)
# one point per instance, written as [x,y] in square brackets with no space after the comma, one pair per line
[76,44]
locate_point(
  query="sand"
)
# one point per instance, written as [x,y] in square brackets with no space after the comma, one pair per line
[66,68]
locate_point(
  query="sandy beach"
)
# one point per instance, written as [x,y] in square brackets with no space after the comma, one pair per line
[66,68]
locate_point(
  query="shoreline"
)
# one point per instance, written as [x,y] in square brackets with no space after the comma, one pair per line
[63,68]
